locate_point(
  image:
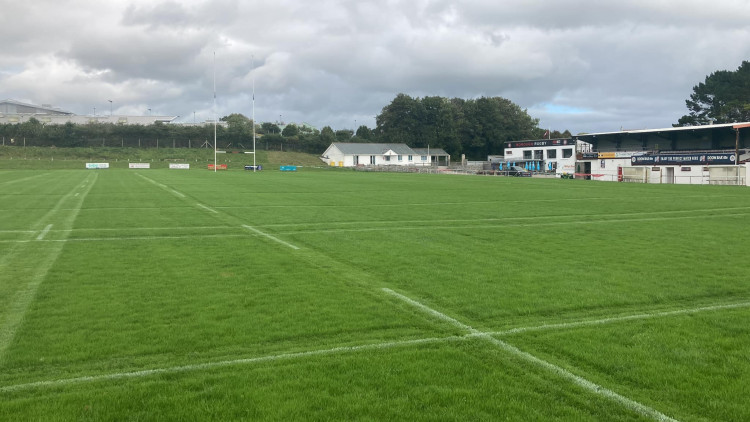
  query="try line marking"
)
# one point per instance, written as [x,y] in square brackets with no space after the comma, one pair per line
[275,239]
[580,381]
[336,350]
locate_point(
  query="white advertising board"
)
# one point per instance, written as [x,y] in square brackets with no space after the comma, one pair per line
[179,166]
[97,165]
[139,165]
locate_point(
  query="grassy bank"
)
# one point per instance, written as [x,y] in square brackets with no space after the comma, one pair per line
[76,158]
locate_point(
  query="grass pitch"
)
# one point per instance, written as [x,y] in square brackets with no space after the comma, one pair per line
[192,295]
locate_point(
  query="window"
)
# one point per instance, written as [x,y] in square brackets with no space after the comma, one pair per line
[400,158]
[387,158]
[411,158]
[372,159]
[527,154]
[508,152]
[424,158]
[567,152]
[551,153]
[539,154]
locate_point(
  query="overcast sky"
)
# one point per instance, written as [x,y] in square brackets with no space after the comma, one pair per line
[582,65]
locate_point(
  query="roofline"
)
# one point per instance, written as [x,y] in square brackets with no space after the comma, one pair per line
[672,129]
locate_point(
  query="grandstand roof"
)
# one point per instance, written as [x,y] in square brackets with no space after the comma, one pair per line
[9,106]
[682,138]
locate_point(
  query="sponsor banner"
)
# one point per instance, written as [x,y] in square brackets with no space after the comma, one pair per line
[589,156]
[259,167]
[97,165]
[541,143]
[288,168]
[218,167]
[179,166]
[683,159]
[607,155]
[139,165]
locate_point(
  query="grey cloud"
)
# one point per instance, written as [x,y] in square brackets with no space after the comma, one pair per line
[583,65]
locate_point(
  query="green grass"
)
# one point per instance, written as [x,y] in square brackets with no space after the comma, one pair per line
[192,295]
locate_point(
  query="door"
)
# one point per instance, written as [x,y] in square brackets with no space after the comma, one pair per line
[669,175]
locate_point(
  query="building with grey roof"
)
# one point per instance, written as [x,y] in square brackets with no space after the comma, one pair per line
[12,111]
[350,154]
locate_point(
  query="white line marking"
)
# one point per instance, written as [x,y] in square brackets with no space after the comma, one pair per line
[321,352]
[76,194]
[275,239]
[114,239]
[602,321]
[436,314]
[44,232]
[19,304]
[394,228]
[10,182]
[233,362]
[207,208]
[163,186]
[580,381]
[576,217]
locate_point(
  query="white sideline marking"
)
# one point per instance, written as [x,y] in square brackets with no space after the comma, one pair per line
[322,352]
[504,226]
[580,381]
[180,194]
[620,318]
[113,239]
[577,217]
[233,362]
[44,232]
[276,239]
[76,194]
[207,208]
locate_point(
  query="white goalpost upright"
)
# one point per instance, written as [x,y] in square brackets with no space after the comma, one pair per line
[252,61]
[215,114]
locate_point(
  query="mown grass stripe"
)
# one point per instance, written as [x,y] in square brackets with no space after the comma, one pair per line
[17,307]
[473,333]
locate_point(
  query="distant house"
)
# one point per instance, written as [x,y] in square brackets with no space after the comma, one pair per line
[349,154]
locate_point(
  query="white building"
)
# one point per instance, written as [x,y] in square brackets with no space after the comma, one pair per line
[550,155]
[349,154]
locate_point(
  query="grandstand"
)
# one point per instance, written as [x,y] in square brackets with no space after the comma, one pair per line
[710,154]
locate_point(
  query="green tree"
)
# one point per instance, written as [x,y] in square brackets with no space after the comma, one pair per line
[364,134]
[269,128]
[327,136]
[290,130]
[724,97]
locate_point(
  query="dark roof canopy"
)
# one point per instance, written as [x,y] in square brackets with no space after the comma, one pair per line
[684,138]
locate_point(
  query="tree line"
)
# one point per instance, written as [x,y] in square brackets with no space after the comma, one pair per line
[477,128]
